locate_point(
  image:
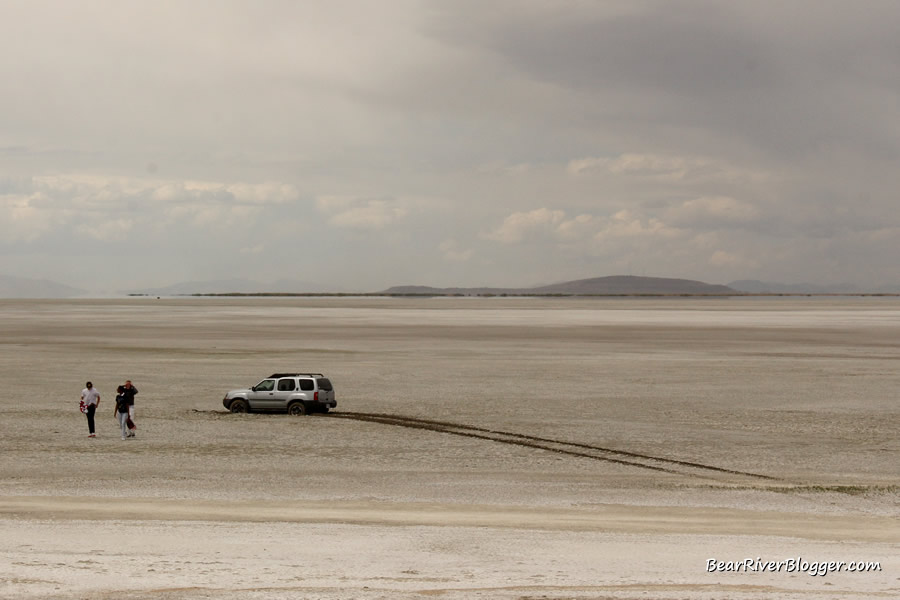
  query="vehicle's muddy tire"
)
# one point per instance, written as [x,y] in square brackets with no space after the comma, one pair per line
[238,406]
[325,409]
[297,409]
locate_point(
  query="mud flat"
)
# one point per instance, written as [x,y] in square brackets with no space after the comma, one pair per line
[495,448]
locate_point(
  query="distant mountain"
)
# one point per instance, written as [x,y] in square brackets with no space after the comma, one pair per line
[233,286]
[611,286]
[22,287]
[627,284]
[754,286]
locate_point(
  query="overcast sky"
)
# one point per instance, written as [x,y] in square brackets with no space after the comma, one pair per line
[362,144]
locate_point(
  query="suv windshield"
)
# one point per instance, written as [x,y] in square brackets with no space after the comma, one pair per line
[324,384]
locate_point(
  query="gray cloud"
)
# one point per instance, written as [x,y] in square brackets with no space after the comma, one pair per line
[502,143]
[783,77]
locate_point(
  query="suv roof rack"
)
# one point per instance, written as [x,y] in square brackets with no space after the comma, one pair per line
[275,375]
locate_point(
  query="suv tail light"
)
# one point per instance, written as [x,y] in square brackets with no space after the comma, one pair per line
[316,396]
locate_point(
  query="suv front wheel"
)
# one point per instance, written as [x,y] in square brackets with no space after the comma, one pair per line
[297,409]
[238,406]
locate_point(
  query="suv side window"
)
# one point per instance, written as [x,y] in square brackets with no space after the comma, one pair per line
[307,385]
[266,385]
[286,385]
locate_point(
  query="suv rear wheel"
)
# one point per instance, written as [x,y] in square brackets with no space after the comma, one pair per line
[238,406]
[297,409]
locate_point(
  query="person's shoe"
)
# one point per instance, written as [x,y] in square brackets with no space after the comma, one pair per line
[92,435]
[123,437]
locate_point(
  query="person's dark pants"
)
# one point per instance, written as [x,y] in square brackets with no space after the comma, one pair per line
[92,408]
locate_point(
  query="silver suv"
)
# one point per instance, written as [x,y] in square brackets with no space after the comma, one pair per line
[296,393]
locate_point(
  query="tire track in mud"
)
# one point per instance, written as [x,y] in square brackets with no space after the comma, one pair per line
[576,449]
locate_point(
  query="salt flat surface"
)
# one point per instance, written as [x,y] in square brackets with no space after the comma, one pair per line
[802,390]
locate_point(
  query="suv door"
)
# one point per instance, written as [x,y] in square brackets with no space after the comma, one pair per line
[283,391]
[262,395]
[307,387]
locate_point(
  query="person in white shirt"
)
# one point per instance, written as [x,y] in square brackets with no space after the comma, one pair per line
[91,399]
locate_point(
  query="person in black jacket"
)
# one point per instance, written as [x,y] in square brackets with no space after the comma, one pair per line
[129,391]
[121,411]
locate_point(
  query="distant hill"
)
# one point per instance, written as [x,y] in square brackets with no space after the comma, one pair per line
[627,284]
[615,285]
[22,287]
